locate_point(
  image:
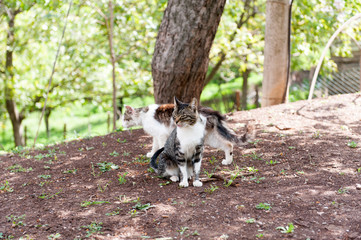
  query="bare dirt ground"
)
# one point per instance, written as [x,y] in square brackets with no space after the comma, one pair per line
[300,179]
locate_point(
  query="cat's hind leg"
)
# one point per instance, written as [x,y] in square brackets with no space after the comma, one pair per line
[155,147]
[227,147]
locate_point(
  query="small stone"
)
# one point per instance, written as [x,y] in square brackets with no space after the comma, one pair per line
[358,186]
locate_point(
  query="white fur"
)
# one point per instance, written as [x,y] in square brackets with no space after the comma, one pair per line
[189,137]
[160,132]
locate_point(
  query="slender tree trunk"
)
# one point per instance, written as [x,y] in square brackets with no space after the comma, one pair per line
[112,59]
[245,76]
[46,119]
[274,85]
[181,54]
[15,117]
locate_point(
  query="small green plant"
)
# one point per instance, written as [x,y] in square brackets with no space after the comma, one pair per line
[342,191]
[126,154]
[70,171]
[140,206]
[271,162]
[291,147]
[88,203]
[165,183]
[288,229]
[251,220]
[252,169]
[104,144]
[121,141]
[255,156]
[114,213]
[114,154]
[358,170]
[316,135]
[49,196]
[264,206]
[352,144]
[211,189]
[16,221]
[54,236]
[107,166]
[212,160]
[6,187]
[257,179]
[92,228]
[259,235]
[133,213]
[18,168]
[44,176]
[182,230]
[122,179]
[103,189]
[142,159]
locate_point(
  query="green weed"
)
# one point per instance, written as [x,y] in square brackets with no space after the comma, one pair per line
[18,168]
[288,229]
[16,221]
[264,206]
[122,179]
[6,187]
[352,144]
[105,166]
[88,203]
[92,228]
[211,189]
[114,154]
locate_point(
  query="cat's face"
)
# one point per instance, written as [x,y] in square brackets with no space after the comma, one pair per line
[131,117]
[185,114]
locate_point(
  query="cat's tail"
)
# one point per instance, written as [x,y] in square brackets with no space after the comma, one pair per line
[153,160]
[231,136]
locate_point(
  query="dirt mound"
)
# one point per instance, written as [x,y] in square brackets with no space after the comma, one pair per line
[300,179]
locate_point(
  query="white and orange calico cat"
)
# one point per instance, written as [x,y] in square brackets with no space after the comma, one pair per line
[157,121]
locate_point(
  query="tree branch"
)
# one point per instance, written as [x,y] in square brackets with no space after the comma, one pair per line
[248,13]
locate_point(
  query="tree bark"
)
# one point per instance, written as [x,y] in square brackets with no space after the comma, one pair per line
[181,54]
[112,59]
[245,76]
[274,85]
[15,117]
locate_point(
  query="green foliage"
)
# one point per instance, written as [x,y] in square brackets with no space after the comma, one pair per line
[264,206]
[107,166]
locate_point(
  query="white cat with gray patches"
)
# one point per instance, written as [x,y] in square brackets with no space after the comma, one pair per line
[157,121]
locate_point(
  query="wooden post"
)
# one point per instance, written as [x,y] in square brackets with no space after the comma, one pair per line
[64,131]
[238,100]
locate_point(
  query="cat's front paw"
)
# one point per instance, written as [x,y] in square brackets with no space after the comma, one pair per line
[197,183]
[174,178]
[183,184]
[150,154]
[226,162]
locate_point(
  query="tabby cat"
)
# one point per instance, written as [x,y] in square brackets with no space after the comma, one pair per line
[181,155]
[157,121]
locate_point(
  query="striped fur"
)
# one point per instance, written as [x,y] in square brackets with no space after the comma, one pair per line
[158,122]
[181,155]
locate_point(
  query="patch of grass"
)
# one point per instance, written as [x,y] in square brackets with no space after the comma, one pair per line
[16,221]
[49,196]
[211,189]
[264,206]
[352,144]
[288,229]
[103,189]
[54,236]
[114,213]
[182,230]
[142,159]
[44,176]
[342,191]
[70,171]
[257,179]
[114,154]
[140,206]
[107,166]
[88,203]
[272,162]
[122,179]
[18,168]
[251,220]
[93,228]
[212,160]
[5,187]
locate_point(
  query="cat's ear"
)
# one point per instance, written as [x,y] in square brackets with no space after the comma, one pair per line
[194,104]
[176,101]
[129,109]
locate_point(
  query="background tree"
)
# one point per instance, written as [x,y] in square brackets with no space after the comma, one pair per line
[181,54]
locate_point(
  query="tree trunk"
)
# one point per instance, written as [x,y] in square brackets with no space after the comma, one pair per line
[9,92]
[274,85]
[181,54]
[46,119]
[112,59]
[245,76]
